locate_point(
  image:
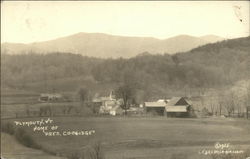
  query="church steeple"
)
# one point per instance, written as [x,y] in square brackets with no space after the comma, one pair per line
[112,95]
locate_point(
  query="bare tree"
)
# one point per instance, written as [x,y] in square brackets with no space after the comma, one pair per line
[220,108]
[83,95]
[247,98]
[230,103]
[125,92]
[27,111]
[212,107]
[220,101]
[98,151]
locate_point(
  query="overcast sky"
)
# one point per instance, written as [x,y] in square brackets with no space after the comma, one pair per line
[26,22]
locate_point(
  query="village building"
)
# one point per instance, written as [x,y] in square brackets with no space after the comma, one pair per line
[178,107]
[175,107]
[116,110]
[156,108]
[108,105]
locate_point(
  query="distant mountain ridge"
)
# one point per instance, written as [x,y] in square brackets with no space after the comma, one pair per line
[104,45]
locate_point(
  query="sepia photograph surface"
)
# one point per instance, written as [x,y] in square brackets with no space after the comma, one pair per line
[125,80]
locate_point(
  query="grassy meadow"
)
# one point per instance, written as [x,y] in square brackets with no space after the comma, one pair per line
[145,138]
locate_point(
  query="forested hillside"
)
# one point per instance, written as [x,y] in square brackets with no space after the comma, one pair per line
[209,66]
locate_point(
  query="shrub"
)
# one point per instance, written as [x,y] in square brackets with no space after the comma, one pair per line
[93,152]
[98,152]
[24,138]
[8,128]
[76,155]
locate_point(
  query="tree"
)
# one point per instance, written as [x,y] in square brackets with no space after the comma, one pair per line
[247,96]
[220,103]
[212,106]
[126,93]
[230,103]
[83,95]
[27,111]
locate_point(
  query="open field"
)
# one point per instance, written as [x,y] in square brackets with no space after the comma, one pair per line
[145,138]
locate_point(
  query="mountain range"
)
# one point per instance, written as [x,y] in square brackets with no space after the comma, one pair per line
[105,46]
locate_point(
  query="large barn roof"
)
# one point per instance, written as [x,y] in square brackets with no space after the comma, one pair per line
[155,104]
[177,101]
[176,109]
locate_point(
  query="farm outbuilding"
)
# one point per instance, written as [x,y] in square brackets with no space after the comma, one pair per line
[46,97]
[175,107]
[178,107]
[157,108]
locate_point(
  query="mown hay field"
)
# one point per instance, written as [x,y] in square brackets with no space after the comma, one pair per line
[146,138]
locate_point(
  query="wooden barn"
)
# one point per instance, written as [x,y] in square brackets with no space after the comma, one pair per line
[156,108]
[178,107]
